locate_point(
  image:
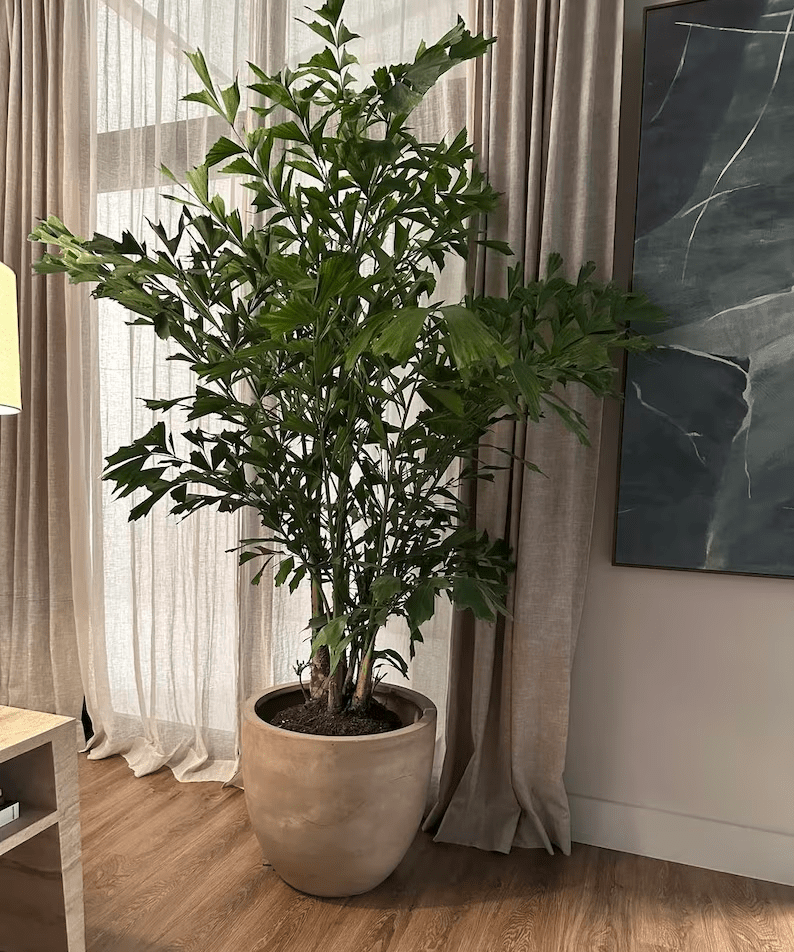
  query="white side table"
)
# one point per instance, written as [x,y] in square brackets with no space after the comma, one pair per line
[41,874]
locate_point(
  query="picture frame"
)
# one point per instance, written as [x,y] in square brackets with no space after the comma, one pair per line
[705,227]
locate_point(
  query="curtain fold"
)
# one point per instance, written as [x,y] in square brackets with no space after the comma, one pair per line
[45,168]
[544,118]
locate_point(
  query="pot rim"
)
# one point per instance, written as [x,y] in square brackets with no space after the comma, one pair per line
[427,707]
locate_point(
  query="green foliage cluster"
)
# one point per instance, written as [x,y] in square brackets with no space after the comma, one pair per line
[351,402]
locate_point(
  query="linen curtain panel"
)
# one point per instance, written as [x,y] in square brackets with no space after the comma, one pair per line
[544,116]
[179,637]
[45,129]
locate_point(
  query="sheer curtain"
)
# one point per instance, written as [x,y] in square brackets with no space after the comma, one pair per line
[179,637]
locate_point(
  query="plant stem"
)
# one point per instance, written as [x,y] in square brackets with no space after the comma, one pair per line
[347,687]
[321,661]
[363,692]
[335,693]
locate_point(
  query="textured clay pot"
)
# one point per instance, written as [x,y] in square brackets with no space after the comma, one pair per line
[335,815]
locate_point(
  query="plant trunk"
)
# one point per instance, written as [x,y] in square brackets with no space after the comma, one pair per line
[336,698]
[363,692]
[321,665]
[321,661]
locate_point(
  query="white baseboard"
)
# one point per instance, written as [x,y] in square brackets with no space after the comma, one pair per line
[660,834]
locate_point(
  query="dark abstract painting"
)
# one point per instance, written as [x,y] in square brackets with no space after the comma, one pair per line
[707,454]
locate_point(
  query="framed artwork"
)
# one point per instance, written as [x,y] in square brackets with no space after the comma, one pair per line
[705,228]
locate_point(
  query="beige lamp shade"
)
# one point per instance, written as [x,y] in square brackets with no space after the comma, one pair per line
[10,392]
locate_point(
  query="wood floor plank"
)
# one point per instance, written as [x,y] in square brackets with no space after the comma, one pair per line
[172,867]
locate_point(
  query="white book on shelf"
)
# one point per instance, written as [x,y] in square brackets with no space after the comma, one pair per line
[9,811]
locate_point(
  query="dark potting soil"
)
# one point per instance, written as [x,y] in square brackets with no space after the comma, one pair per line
[313,718]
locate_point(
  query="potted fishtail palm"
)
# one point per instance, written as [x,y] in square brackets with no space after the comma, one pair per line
[353,403]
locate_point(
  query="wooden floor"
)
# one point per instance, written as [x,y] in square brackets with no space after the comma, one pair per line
[172,867]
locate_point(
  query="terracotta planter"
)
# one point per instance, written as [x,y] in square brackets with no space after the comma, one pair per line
[335,815]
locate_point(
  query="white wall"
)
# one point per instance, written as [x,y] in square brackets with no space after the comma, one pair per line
[681,742]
